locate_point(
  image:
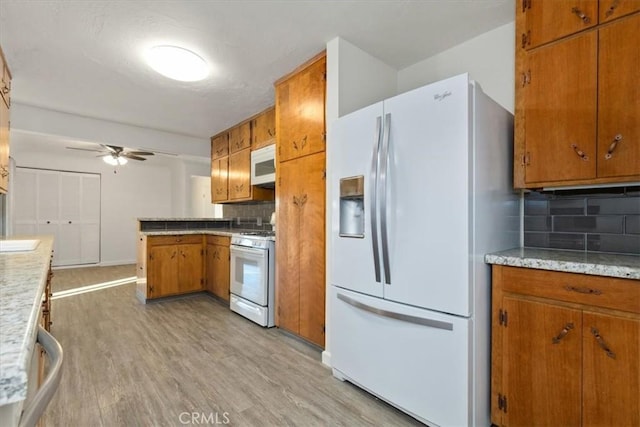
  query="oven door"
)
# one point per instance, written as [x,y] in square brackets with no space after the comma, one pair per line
[249,274]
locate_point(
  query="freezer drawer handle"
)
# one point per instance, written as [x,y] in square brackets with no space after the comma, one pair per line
[398,316]
[36,408]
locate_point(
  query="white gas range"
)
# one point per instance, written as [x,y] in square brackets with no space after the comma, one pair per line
[253,276]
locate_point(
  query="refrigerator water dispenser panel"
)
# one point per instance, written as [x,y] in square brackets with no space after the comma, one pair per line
[352,207]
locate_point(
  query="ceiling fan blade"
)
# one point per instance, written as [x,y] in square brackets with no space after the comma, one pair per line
[140,153]
[131,156]
[85,149]
[112,148]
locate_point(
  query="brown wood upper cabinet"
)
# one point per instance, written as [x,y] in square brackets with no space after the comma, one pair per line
[263,128]
[231,167]
[549,20]
[300,121]
[220,145]
[5,103]
[564,349]
[577,118]
[240,137]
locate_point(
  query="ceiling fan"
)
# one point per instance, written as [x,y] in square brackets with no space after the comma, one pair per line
[114,155]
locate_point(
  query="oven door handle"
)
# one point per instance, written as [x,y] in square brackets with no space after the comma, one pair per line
[257,252]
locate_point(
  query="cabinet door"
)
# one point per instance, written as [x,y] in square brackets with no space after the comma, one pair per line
[4,147]
[612,9]
[162,270]
[264,129]
[219,179]
[611,348]
[287,248]
[240,175]
[550,20]
[560,111]
[190,267]
[220,146]
[240,137]
[619,99]
[300,117]
[311,240]
[542,354]
[221,272]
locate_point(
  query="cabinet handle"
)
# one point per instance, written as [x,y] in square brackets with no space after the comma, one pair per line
[583,290]
[612,8]
[5,88]
[580,14]
[239,187]
[603,345]
[296,201]
[303,199]
[613,146]
[294,145]
[579,152]
[173,255]
[4,171]
[304,141]
[563,333]
[271,133]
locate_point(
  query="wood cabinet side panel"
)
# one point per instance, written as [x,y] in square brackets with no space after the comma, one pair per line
[497,339]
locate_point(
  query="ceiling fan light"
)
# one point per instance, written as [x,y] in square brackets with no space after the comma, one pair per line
[114,160]
[177,63]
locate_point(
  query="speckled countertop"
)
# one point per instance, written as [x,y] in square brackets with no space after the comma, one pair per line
[611,265]
[23,277]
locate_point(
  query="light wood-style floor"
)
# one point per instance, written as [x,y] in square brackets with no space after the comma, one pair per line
[189,361]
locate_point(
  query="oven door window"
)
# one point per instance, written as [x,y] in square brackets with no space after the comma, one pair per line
[249,274]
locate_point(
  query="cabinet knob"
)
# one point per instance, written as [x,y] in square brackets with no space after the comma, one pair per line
[580,14]
[579,152]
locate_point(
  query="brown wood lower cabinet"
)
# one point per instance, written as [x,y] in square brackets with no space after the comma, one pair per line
[174,265]
[217,266]
[565,349]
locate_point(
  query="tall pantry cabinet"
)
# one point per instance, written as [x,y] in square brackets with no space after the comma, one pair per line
[577,115]
[300,201]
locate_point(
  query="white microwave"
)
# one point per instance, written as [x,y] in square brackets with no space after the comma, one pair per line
[263,166]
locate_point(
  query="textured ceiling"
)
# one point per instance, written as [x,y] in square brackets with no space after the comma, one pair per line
[85,57]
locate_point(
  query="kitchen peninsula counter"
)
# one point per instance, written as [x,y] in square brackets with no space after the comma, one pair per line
[23,278]
[596,264]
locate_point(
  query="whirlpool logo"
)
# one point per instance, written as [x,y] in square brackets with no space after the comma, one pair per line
[441,96]
[203,418]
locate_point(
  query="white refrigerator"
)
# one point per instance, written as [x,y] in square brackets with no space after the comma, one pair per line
[422,189]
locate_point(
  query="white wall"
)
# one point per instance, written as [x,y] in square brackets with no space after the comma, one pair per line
[488,58]
[158,187]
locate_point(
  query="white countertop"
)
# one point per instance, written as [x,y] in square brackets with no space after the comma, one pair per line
[23,277]
[596,264]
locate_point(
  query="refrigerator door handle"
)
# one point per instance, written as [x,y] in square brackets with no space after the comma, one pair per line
[374,201]
[383,198]
[432,323]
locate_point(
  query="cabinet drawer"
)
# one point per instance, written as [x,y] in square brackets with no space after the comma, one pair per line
[218,240]
[175,239]
[599,291]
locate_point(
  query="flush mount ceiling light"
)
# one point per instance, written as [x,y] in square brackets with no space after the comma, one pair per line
[177,63]
[114,160]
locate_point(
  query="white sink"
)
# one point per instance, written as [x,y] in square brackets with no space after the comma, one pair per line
[18,245]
